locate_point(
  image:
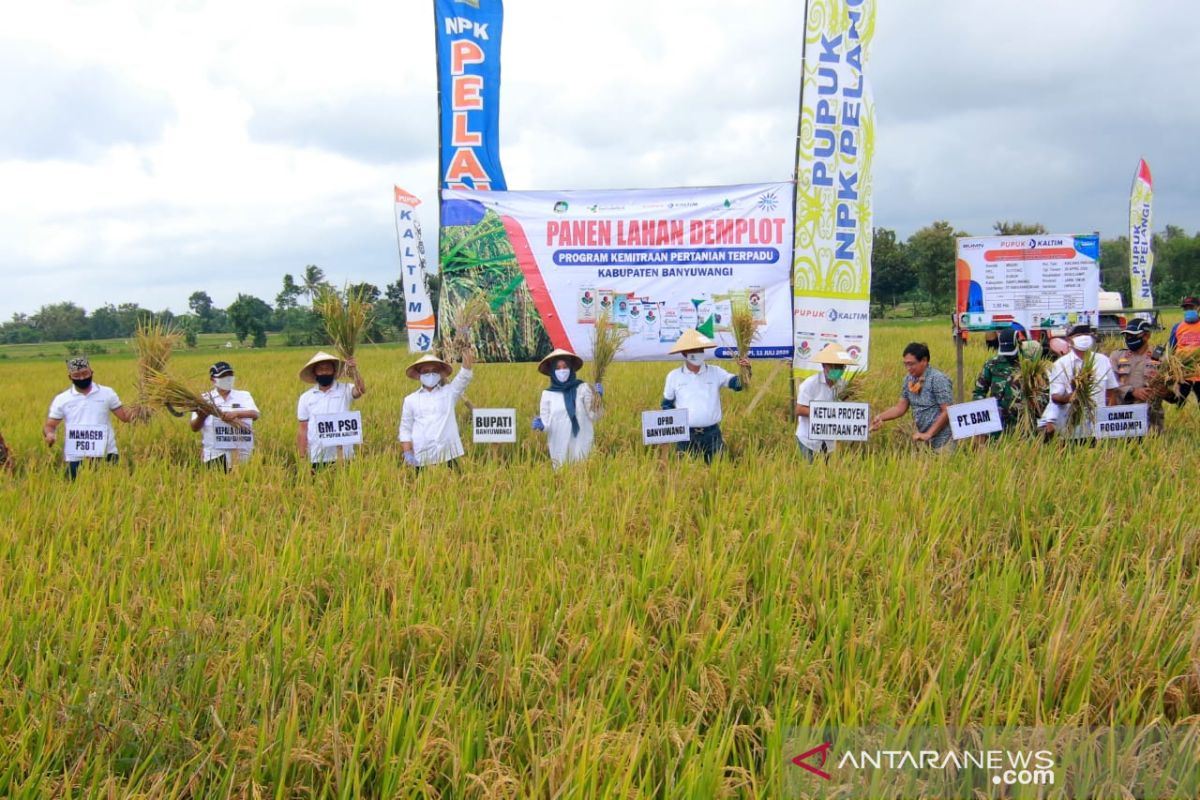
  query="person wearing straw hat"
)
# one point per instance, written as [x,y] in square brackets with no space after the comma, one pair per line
[328,396]
[85,403]
[565,412]
[428,427]
[819,388]
[236,405]
[696,386]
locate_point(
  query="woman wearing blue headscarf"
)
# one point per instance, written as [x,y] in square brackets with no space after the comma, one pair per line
[567,409]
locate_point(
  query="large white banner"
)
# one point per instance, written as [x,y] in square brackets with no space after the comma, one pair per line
[834,152]
[418,310]
[1030,282]
[659,261]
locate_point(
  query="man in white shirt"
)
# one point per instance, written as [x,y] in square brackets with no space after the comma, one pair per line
[238,413]
[819,388]
[327,397]
[696,386]
[1057,412]
[428,427]
[84,408]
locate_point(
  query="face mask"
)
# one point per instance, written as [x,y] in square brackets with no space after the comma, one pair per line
[224,384]
[1083,342]
[1191,316]
[1135,344]
[695,359]
[325,380]
[430,380]
[562,375]
[836,373]
[81,383]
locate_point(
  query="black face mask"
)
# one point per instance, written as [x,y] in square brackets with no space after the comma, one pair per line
[1135,344]
[325,380]
[81,383]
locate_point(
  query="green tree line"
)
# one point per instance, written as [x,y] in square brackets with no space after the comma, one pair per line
[248,318]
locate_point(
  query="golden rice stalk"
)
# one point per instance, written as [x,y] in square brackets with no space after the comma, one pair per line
[1172,370]
[607,341]
[474,310]
[1033,386]
[849,389]
[346,316]
[745,332]
[1083,385]
[154,340]
[167,390]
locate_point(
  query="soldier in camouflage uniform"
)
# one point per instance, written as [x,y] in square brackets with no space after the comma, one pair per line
[1135,367]
[1000,379]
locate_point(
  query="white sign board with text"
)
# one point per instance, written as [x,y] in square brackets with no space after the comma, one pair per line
[338,430]
[1122,422]
[665,426]
[839,422]
[227,436]
[86,441]
[976,418]
[494,425]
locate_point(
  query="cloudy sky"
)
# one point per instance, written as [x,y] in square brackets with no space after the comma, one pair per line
[151,148]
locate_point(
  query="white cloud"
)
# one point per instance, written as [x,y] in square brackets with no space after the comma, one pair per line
[152,149]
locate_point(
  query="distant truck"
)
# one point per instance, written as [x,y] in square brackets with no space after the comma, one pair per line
[1112,321]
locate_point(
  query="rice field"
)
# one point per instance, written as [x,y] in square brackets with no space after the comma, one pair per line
[635,626]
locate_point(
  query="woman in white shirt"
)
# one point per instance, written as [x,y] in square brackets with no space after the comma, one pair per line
[428,427]
[567,410]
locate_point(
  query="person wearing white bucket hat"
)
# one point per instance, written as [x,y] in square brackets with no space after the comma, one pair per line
[327,397]
[566,410]
[428,428]
[820,388]
[696,386]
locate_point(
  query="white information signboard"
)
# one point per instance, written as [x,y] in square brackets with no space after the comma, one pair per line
[494,425]
[839,422]
[665,426]
[85,441]
[337,430]
[227,436]
[975,418]
[1122,422]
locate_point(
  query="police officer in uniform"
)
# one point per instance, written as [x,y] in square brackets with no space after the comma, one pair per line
[1135,366]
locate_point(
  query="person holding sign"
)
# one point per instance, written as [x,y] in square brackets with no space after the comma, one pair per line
[1136,368]
[1000,379]
[696,387]
[819,388]
[84,408]
[224,443]
[929,393]
[1062,375]
[327,397]
[565,413]
[428,427]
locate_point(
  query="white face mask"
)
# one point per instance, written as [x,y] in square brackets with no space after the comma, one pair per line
[225,384]
[561,375]
[430,380]
[1083,342]
[695,359]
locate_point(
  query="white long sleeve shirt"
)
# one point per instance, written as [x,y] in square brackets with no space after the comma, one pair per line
[814,389]
[1061,374]
[427,420]
[565,448]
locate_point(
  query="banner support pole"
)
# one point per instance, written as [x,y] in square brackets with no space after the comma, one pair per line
[795,190]
[437,241]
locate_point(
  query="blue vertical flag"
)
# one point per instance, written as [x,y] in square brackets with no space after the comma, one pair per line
[468,50]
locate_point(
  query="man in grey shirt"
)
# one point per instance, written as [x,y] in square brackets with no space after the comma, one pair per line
[929,393]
